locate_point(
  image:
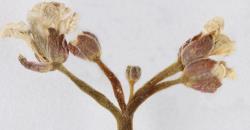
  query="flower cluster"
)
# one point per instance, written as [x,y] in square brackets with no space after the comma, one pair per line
[49,22]
[200,71]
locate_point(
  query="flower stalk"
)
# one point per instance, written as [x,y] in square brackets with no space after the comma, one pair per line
[117,87]
[96,95]
[133,74]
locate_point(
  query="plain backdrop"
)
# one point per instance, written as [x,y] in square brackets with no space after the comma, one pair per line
[147,33]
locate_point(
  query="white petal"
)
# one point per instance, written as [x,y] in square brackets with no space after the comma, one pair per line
[231,74]
[17,30]
[219,70]
[69,24]
[223,45]
[214,25]
[53,15]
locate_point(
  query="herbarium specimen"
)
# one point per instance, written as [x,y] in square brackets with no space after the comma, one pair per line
[49,22]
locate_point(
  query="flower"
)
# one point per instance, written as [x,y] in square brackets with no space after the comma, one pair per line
[200,72]
[206,75]
[86,46]
[48,22]
[210,42]
[133,73]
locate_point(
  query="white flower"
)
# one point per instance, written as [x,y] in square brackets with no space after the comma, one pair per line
[48,24]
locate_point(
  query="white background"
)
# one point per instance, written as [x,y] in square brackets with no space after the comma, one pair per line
[139,32]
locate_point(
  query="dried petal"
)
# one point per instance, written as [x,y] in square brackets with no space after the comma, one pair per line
[54,15]
[231,74]
[38,67]
[69,24]
[223,45]
[214,25]
[222,71]
[219,70]
[17,30]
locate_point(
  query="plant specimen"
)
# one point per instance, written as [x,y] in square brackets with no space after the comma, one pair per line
[49,22]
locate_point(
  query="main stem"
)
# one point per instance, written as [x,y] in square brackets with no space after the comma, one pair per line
[125,122]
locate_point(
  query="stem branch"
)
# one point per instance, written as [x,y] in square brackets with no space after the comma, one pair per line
[117,87]
[150,87]
[142,94]
[97,96]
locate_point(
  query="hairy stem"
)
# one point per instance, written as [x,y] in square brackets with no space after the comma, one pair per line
[117,87]
[97,96]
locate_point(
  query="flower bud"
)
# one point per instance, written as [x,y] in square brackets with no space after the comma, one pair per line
[86,46]
[205,75]
[133,73]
